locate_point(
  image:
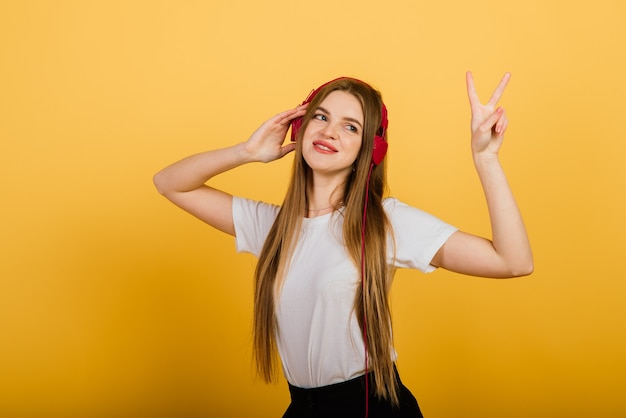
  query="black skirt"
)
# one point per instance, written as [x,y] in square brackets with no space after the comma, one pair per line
[347,400]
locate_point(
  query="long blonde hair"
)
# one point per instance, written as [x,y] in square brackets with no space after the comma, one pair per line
[371,305]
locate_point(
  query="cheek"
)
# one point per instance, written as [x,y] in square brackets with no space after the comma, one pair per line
[356,147]
[307,151]
[310,128]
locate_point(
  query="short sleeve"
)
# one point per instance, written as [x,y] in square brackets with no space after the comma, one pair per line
[253,221]
[417,235]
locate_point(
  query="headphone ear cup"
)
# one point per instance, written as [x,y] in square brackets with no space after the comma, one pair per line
[380,149]
[296,124]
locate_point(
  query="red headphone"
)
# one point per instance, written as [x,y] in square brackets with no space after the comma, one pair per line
[380,144]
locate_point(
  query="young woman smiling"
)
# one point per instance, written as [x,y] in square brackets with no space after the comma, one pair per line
[326,256]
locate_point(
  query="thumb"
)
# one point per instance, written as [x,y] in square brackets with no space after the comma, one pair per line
[488,124]
[287,149]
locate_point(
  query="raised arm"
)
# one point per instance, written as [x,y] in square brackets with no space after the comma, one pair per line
[183,182]
[508,253]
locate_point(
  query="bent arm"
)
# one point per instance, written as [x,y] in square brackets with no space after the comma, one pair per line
[508,253]
[183,182]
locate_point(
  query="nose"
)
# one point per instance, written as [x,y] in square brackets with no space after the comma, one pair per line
[331,131]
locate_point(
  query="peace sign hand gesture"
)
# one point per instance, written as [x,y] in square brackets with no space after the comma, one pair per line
[488,121]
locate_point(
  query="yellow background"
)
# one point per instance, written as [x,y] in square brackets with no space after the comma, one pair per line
[114,303]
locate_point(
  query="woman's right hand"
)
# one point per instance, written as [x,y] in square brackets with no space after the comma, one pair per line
[183,182]
[266,143]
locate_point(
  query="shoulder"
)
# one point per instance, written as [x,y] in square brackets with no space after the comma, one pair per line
[403,216]
[252,221]
[254,209]
[395,207]
[390,203]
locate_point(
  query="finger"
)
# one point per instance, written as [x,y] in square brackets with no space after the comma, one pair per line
[471,89]
[502,128]
[301,109]
[497,94]
[288,115]
[502,123]
[491,121]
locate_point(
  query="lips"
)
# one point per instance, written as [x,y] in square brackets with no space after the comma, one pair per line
[324,146]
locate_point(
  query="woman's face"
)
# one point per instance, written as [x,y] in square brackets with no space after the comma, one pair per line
[332,139]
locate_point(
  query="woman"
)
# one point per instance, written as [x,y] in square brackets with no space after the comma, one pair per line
[327,254]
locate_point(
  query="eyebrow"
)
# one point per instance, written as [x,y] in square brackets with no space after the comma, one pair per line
[349,119]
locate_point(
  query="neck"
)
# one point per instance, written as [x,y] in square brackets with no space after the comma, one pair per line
[323,197]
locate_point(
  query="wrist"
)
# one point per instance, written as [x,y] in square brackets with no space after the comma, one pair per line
[485,158]
[486,163]
[244,153]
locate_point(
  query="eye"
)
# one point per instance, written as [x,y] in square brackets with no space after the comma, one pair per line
[320,116]
[353,128]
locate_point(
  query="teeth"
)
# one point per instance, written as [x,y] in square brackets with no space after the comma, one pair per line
[324,147]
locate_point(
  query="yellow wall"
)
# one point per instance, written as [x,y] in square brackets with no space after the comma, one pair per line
[113,303]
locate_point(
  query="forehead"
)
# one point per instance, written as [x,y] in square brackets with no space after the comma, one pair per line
[343,104]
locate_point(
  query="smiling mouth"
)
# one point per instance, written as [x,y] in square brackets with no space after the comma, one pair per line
[323,147]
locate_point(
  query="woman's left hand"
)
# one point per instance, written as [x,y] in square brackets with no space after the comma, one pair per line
[488,121]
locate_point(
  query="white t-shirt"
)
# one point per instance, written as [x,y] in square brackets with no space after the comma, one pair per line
[319,338]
